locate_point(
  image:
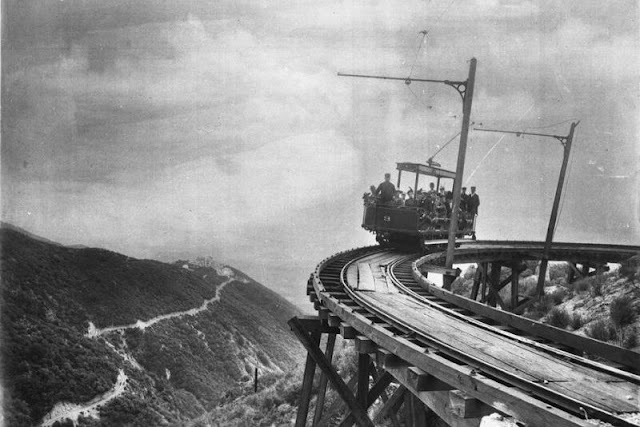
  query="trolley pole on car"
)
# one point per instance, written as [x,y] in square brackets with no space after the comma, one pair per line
[467,98]
[566,143]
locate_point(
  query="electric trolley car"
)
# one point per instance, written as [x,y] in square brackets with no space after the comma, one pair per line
[414,217]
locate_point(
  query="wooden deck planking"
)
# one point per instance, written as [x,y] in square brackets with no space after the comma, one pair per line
[599,391]
[461,334]
[352,276]
[366,278]
[576,381]
[551,368]
[441,329]
[369,274]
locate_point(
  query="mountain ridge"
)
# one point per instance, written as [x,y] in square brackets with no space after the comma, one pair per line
[212,331]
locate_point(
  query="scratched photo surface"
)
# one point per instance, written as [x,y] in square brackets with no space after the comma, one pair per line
[171,130]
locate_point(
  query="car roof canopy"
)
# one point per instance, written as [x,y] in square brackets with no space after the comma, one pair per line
[421,169]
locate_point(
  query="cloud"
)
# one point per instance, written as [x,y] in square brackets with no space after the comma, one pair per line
[194,125]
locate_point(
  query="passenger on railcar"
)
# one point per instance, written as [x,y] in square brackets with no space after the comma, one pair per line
[386,190]
[474,202]
[370,198]
[440,207]
[411,201]
[432,189]
[464,200]
[448,201]
[398,198]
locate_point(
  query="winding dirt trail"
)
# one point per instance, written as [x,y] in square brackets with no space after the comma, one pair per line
[71,411]
[94,332]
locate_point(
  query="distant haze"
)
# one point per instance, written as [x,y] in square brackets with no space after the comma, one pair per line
[177,129]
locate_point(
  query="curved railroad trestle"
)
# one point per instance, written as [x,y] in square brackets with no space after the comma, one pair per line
[456,357]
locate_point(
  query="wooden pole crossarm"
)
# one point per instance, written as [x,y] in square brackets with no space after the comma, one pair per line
[314,351]
[407,80]
[561,138]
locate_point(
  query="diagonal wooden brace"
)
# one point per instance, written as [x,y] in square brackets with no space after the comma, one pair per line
[314,351]
[378,388]
[392,405]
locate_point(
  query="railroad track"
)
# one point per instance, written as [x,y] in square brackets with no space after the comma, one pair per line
[409,322]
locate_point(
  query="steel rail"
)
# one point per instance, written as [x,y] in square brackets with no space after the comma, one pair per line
[568,403]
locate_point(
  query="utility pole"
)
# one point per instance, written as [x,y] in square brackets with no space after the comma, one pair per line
[467,97]
[465,89]
[566,143]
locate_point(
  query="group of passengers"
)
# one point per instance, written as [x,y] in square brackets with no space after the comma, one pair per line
[437,201]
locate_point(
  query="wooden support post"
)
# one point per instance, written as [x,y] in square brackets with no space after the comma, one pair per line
[600,269]
[406,409]
[311,346]
[322,387]
[515,284]
[494,284]
[485,274]
[255,380]
[477,277]
[586,267]
[307,381]
[418,413]
[571,275]
[363,379]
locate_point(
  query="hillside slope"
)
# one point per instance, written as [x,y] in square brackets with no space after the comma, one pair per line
[143,342]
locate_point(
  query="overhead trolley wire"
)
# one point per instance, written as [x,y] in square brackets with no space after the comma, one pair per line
[415,60]
[496,144]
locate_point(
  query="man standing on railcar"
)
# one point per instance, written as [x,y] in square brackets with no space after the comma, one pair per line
[474,202]
[386,190]
[464,200]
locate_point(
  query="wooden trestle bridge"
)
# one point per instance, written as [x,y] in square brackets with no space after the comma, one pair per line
[422,349]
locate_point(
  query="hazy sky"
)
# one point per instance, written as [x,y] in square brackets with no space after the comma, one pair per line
[174,129]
